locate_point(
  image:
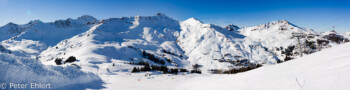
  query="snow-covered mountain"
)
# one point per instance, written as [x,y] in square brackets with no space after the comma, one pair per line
[68,51]
[218,48]
[10,30]
[232,27]
[37,36]
[277,37]
[172,43]
[159,40]
[124,39]
[323,70]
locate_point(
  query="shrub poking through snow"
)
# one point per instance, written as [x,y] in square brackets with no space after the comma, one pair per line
[196,71]
[237,70]
[287,58]
[163,69]
[58,61]
[183,70]
[70,59]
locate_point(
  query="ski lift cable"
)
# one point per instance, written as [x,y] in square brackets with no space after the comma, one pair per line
[335,20]
[343,23]
[337,25]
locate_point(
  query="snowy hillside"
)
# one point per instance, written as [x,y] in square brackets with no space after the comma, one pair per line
[159,40]
[324,70]
[274,34]
[172,43]
[37,36]
[218,48]
[123,39]
[121,51]
[277,37]
[346,35]
[26,70]
[10,30]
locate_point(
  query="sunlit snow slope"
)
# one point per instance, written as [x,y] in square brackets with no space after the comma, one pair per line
[324,70]
[159,40]
[218,48]
[15,69]
[34,37]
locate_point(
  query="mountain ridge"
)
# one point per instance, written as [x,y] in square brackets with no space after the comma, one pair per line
[97,43]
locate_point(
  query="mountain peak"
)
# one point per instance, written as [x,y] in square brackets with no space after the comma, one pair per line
[280,21]
[193,20]
[160,14]
[330,32]
[283,21]
[10,24]
[87,18]
[34,22]
[232,27]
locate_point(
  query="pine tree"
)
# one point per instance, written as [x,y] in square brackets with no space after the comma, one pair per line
[147,67]
[165,71]
[144,54]
[134,70]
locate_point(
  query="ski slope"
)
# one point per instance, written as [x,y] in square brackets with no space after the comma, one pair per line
[324,70]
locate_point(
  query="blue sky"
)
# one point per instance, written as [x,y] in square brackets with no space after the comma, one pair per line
[320,15]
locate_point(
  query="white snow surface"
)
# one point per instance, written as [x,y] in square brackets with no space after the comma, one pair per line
[25,70]
[324,70]
[274,34]
[125,38]
[346,35]
[104,48]
[205,44]
[36,36]
[118,40]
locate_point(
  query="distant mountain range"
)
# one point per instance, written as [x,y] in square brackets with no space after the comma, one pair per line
[162,41]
